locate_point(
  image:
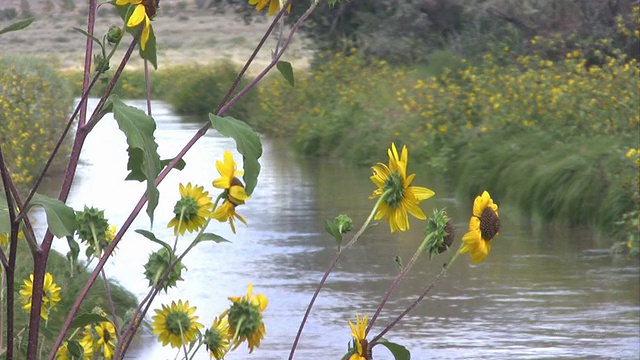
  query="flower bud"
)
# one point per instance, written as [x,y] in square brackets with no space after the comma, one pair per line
[114,34]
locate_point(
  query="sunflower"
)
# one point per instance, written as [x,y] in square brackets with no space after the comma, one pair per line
[99,338]
[274,5]
[176,324]
[402,198]
[228,170]
[217,338]
[191,210]
[484,225]
[50,295]
[227,212]
[358,332]
[143,12]
[245,319]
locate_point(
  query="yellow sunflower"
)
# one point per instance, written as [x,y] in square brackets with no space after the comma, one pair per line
[229,181]
[191,210]
[4,239]
[274,5]
[484,225]
[142,14]
[363,352]
[99,338]
[227,212]
[245,319]
[402,197]
[50,296]
[176,324]
[217,338]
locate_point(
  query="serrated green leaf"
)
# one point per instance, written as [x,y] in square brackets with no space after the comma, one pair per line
[211,237]
[18,25]
[151,236]
[138,127]
[88,35]
[248,144]
[86,319]
[286,70]
[399,352]
[333,230]
[75,350]
[61,219]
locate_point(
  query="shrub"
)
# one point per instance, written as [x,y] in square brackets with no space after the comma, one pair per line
[34,106]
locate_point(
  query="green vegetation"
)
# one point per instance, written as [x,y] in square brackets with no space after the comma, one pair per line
[189,89]
[71,286]
[35,104]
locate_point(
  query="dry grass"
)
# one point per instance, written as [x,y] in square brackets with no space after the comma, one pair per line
[184,36]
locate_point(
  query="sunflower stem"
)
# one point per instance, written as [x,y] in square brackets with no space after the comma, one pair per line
[330,268]
[397,280]
[419,299]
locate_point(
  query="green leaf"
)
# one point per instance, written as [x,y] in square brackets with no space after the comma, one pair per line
[333,230]
[136,173]
[5,221]
[75,350]
[144,161]
[74,249]
[86,319]
[149,52]
[60,218]
[179,165]
[286,70]
[149,235]
[399,352]
[88,35]
[18,25]
[211,237]
[248,144]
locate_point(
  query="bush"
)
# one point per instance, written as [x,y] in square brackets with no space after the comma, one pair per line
[35,104]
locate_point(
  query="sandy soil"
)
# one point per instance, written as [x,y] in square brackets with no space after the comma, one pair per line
[184,36]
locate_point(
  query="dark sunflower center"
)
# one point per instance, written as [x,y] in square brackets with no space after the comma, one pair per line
[394,197]
[177,320]
[188,206]
[489,224]
[244,318]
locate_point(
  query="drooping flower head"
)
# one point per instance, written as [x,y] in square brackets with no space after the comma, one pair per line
[217,338]
[402,198]
[176,324]
[358,333]
[245,319]
[234,192]
[274,5]
[143,12]
[191,210]
[50,296]
[484,225]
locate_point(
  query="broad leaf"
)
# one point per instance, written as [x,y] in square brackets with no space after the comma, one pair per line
[333,230]
[149,52]
[399,352]
[74,249]
[75,349]
[18,25]
[211,237]
[61,219]
[144,160]
[136,174]
[248,144]
[151,236]
[286,70]
[86,319]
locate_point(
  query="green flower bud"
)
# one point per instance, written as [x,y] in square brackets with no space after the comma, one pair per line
[114,34]
[100,63]
[344,223]
[156,267]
